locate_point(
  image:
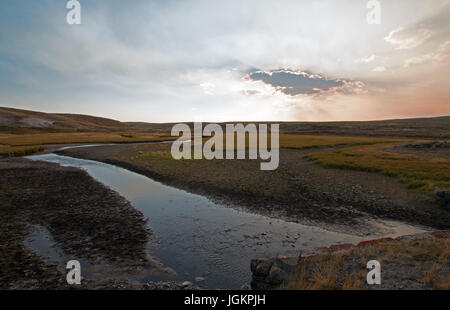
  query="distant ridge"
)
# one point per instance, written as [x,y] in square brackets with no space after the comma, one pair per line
[23,121]
[423,119]
[17,120]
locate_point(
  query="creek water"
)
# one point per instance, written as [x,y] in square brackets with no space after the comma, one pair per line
[205,243]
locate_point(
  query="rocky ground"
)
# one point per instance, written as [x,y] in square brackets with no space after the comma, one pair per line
[298,190]
[87,221]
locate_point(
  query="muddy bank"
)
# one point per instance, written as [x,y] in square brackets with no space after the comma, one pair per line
[298,190]
[87,221]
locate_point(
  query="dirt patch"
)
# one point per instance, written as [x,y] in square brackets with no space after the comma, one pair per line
[298,190]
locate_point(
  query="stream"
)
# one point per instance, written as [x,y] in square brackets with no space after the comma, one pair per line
[205,243]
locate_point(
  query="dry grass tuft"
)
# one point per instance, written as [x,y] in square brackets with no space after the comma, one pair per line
[415,264]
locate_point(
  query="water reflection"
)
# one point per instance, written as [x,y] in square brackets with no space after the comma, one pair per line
[199,238]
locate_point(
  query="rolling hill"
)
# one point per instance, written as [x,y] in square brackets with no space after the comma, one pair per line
[15,120]
[24,121]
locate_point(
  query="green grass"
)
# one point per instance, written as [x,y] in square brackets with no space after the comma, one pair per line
[163,155]
[416,172]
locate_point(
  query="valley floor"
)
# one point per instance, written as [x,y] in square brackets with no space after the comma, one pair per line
[106,229]
[299,190]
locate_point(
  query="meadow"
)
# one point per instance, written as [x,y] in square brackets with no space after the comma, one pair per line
[415,170]
[287,141]
[356,153]
[290,141]
[26,144]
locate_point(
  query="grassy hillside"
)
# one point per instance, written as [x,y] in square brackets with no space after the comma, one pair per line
[436,127]
[22,121]
[26,132]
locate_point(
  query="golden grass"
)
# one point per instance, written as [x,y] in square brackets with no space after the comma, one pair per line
[291,141]
[286,140]
[425,260]
[26,144]
[85,137]
[306,141]
[415,171]
[354,281]
[6,150]
[317,273]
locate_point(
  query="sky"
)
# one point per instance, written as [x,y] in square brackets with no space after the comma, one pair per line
[246,60]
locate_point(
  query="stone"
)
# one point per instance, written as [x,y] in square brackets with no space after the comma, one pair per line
[277,276]
[443,198]
[272,272]
[288,263]
[261,267]
[186,284]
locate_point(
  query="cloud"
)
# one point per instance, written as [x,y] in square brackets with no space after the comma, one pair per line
[408,38]
[379,69]
[295,83]
[208,88]
[367,59]
[424,33]
[441,55]
[170,61]
[250,92]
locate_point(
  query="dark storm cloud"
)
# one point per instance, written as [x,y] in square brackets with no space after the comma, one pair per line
[296,83]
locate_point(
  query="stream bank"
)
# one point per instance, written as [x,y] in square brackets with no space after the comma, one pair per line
[201,241]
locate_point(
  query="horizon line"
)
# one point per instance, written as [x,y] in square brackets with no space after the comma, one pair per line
[236,121]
